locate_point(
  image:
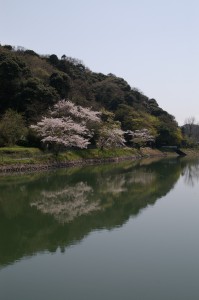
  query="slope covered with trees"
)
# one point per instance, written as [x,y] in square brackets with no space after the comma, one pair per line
[31,84]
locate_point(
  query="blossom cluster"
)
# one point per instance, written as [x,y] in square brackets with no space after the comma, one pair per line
[68,125]
[110,136]
[142,134]
[77,112]
[67,204]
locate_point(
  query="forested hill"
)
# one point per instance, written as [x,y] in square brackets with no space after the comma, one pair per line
[31,83]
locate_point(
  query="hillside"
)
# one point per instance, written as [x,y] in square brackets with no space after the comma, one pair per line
[31,83]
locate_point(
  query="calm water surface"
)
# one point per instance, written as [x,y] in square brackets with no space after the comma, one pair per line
[122,231]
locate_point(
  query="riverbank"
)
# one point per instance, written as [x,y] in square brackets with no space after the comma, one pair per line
[20,159]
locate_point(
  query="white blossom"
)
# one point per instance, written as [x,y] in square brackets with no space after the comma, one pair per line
[67,108]
[110,135]
[67,204]
[142,135]
[68,125]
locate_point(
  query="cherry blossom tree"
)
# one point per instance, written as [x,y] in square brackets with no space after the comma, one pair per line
[67,125]
[141,137]
[110,134]
[66,108]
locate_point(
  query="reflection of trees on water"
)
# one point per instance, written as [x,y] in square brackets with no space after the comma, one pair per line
[67,204]
[73,201]
[57,209]
[191,174]
[143,177]
[114,185]
[117,184]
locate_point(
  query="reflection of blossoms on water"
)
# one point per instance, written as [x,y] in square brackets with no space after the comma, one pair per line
[67,204]
[71,202]
[142,178]
[113,185]
[120,183]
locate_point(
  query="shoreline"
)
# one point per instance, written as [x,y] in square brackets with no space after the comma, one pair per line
[86,158]
[33,167]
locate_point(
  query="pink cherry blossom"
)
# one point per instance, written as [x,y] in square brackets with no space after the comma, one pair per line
[68,125]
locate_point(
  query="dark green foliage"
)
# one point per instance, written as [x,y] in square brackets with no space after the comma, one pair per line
[30,84]
[12,72]
[12,128]
[82,94]
[31,52]
[11,67]
[20,90]
[8,47]
[109,94]
[35,98]
[32,140]
[61,82]
[154,109]
[53,59]
[168,132]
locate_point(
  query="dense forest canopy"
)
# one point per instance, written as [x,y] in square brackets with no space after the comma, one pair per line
[30,84]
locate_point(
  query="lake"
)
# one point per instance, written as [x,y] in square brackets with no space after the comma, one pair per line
[114,231]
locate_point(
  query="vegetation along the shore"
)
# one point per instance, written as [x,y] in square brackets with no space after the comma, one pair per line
[24,158]
[52,105]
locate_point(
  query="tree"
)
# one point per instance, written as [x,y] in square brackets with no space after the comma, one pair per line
[30,84]
[53,59]
[63,57]
[9,47]
[169,134]
[141,137]
[34,98]
[110,134]
[190,131]
[31,52]
[68,125]
[12,127]
[191,128]
[66,108]
[61,82]
[109,93]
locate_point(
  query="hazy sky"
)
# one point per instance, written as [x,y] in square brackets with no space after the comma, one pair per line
[153,44]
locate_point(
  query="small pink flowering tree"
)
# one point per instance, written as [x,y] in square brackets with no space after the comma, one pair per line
[141,137]
[68,125]
[110,134]
[110,137]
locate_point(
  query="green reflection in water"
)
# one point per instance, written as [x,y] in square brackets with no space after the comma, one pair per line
[41,212]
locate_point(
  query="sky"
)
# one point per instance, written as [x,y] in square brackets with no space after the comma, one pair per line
[152,44]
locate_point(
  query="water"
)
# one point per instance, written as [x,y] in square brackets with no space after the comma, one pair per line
[117,231]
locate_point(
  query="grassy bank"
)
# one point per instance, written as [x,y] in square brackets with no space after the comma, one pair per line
[22,155]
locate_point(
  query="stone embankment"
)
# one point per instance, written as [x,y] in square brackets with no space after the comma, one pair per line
[64,164]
